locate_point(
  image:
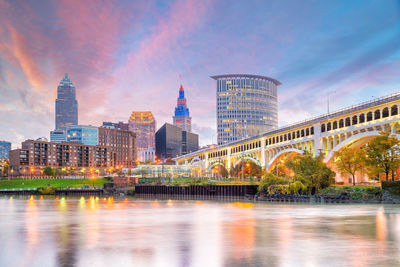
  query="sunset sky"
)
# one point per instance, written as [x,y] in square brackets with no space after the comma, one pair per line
[125,56]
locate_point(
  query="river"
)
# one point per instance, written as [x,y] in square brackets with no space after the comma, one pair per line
[143,232]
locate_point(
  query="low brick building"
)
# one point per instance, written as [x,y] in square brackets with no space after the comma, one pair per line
[34,156]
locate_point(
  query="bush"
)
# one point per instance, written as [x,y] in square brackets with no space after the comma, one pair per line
[297,188]
[48,190]
[393,187]
[131,191]
[278,189]
[357,195]
[268,180]
[109,178]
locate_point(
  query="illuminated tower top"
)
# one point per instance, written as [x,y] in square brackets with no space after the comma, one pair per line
[182,118]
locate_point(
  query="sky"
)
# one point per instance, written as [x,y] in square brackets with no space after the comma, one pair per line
[125,56]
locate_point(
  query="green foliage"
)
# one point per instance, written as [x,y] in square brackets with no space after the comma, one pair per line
[358,192]
[49,171]
[131,191]
[278,189]
[311,172]
[392,187]
[48,190]
[297,188]
[383,154]
[268,180]
[109,178]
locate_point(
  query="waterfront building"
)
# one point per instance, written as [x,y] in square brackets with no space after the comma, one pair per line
[247,105]
[58,136]
[85,134]
[78,158]
[182,118]
[121,146]
[5,148]
[144,125]
[172,142]
[116,125]
[66,104]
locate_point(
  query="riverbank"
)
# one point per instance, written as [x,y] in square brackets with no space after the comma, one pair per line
[57,183]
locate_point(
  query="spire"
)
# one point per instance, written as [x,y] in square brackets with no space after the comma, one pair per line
[66,80]
[181,88]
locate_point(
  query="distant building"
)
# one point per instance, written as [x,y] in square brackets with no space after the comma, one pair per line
[182,118]
[144,125]
[121,146]
[84,134]
[147,155]
[42,139]
[172,142]
[116,125]
[77,158]
[5,148]
[247,105]
[66,104]
[58,136]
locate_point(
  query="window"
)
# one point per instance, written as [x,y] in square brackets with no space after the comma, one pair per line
[369,116]
[385,113]
[394,110]
[377,114]
[322,128]
[328,126]
[361,118]
[354,120]
[334,125]
[347,122]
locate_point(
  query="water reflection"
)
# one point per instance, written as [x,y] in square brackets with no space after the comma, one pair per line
[92,231]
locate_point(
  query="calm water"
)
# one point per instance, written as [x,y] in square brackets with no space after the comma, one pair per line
[134,232]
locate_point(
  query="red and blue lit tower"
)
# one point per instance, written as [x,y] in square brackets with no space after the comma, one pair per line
[182,118]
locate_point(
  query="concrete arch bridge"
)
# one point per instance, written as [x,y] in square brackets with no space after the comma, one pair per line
[352,126]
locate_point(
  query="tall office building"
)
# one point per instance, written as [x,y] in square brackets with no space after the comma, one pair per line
[172,141]
[5,148]
[66,104]
[144,125]
[246,106]
[182,118]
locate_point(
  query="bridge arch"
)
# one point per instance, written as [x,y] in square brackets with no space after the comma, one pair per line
[280,154]
[358,139]
[196,161]
[248,158]
[215,163]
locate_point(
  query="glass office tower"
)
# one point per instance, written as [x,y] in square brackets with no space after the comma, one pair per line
[66,104]
[246,106]
[85,134]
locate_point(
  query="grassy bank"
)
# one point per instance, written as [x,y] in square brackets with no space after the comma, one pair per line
[356,192]
[58,183]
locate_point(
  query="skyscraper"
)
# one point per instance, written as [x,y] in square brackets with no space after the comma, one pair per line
[66,104]
[182,118]
[144,125]
[246,106]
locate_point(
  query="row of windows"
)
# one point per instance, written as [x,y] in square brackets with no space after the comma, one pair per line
[356,119]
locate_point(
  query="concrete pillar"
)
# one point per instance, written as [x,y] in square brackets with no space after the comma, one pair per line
[263,152]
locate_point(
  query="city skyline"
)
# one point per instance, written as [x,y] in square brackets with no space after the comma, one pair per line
[134,63]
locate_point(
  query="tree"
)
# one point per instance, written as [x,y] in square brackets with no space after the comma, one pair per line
[311,172]
[350,161]
[382,154]
[49,171]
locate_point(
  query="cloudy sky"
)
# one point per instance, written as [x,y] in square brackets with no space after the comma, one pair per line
[132,55]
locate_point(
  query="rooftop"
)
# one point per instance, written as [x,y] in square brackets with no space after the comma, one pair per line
[216,77]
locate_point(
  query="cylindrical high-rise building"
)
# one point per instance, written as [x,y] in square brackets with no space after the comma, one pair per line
[246,106]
